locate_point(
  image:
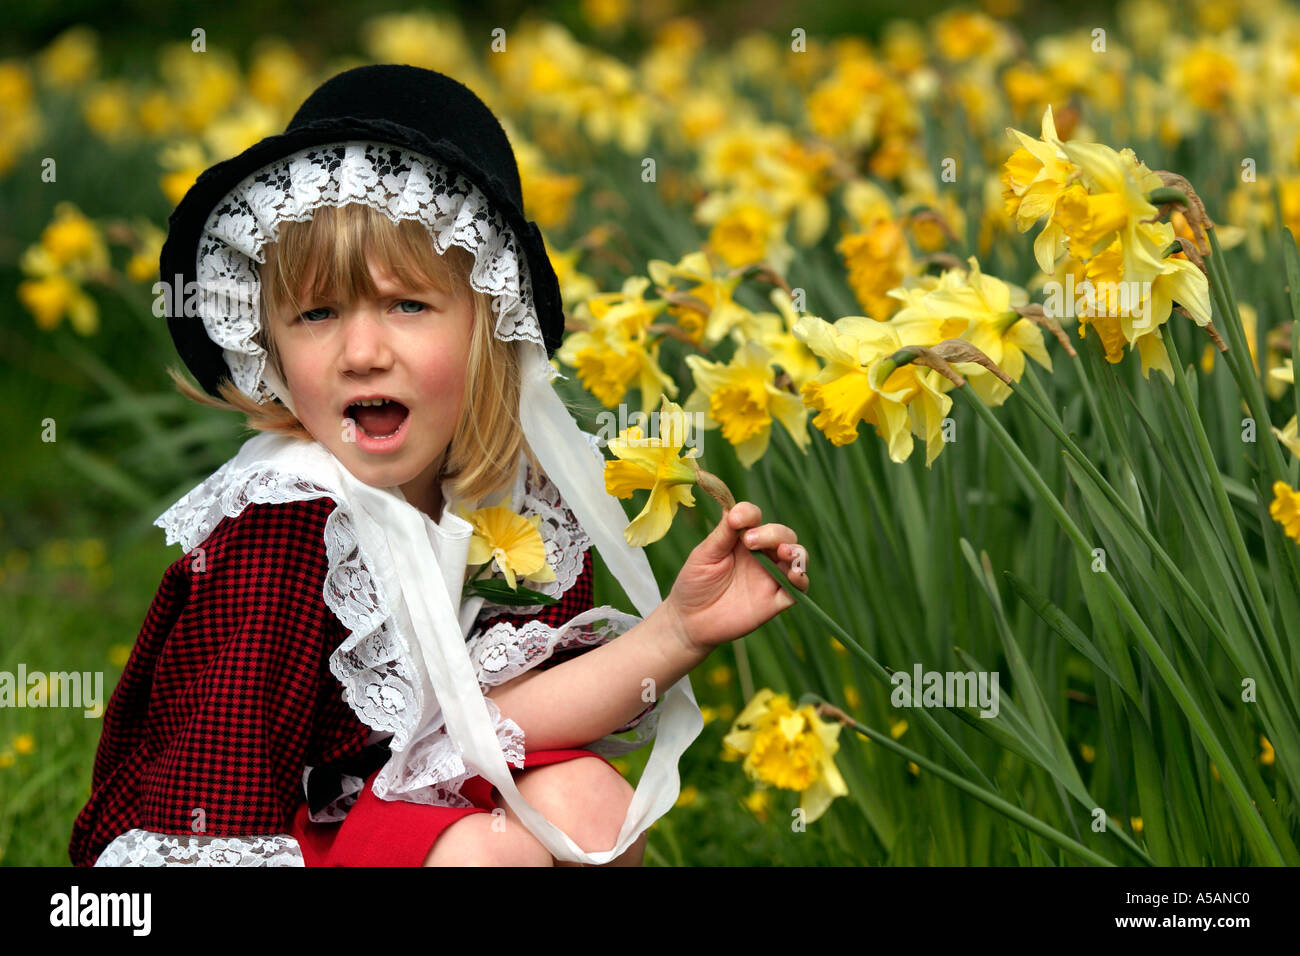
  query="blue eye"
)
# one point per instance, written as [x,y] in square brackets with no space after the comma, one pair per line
[418,306]
[307,316]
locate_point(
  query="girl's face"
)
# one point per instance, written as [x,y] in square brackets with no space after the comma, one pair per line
[404,355]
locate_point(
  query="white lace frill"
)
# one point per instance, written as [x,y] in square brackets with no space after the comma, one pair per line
[145,848]
[394,181]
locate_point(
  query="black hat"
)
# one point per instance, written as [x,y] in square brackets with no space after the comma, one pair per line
[409,107]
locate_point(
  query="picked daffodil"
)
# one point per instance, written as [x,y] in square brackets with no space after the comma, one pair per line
[653,463]
[511,541]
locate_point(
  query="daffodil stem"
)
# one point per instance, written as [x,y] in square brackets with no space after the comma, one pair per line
[1252,825]
[1238,357]
[1135,523]
[1030,822]
[876,669]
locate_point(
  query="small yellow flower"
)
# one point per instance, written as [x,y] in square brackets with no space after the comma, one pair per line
[1285,509]
[758,803]
[688,796]
[6,759]
[1087,752]
[790,749]
[90,553]
[897,728]
[24,744]
[726,712]
[1266,756]
[709,714]
[50,298]
[913,769]
[513,542]
[70,59]
[118,655]
[852,697]
[1135,823]
[620,765]
[720,676]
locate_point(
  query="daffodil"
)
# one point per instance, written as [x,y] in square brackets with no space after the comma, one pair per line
[615,351]
[791,749]
[742,398]
[694,276]
[843,393]
[509,540]
[653,463]
[1285,509]
[878,260]
[1035,176]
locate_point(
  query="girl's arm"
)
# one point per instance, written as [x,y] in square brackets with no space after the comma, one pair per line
[722,593]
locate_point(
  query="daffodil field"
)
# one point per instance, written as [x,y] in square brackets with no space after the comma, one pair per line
[1000,321]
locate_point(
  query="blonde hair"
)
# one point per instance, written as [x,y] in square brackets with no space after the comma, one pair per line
[326,257]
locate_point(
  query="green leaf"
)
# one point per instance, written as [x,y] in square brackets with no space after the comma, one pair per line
[499,592]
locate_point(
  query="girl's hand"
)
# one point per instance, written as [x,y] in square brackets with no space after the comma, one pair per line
[722,592]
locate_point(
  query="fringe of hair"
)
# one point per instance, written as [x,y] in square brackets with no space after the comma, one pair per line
[328,256]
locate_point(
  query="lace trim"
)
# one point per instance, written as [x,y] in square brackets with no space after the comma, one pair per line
[503,651]
[146,848]
[398,183]
[336,809]
[435,770]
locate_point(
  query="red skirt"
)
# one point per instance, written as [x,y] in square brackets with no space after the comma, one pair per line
[396,833]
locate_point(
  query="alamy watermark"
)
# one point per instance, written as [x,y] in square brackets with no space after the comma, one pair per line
[81,689]
[923,688]
[230,297]
[1088,299]
[686,431]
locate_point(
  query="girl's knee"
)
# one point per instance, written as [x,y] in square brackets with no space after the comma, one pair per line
[587,798]
[487,839]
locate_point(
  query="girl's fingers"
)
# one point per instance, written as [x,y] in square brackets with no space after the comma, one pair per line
[769,536]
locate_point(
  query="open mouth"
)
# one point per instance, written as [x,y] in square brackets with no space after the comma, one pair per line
[378,417]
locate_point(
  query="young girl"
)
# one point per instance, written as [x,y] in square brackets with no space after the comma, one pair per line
[314,684]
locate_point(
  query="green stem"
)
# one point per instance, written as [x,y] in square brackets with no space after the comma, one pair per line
[1009,810]
[1253,825]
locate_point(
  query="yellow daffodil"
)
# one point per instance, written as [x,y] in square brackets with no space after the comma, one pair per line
[143,265]
[969,304]
[511,541]
[70,59]
[653,463]
[878,259]
[744,229]
[742,398]
[616,351]
[72,241]
[694,276]
[52,297]
[791,749]
[842,392]
[1285,509]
